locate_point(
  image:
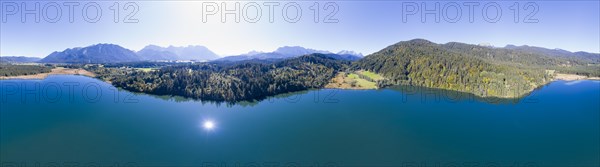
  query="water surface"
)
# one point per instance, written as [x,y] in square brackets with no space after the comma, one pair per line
[47,122]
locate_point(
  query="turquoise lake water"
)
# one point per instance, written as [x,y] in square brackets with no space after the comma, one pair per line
[66,119]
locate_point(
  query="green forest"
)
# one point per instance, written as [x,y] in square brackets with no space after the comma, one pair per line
[483,71]
[16,70]
[243,81]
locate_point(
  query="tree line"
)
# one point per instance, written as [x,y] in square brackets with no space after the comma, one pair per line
[16,70]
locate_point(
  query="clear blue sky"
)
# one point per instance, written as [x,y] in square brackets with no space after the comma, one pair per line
[362,26]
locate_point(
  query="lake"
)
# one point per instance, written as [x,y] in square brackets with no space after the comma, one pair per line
[80,121]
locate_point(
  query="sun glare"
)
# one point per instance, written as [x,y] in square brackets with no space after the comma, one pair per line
[208,125]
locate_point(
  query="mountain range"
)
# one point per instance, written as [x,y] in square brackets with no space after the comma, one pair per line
[198,53]
[556,52]
[18,59]
[288,52]
[111,53]
[99,53]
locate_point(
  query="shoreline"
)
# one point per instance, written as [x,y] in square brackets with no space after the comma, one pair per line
[54,71]
[69,71]
[573,77]
[557,77]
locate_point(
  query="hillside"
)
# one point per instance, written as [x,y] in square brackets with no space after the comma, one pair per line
[483,71]
[423,63]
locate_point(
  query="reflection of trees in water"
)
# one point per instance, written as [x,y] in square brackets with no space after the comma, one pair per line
[181,99]
[427,94]
[291,97]
[423,94]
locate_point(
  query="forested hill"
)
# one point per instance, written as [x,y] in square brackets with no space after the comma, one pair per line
[231,82]
[483,71]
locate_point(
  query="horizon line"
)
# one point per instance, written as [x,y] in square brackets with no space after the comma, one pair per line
[261,51]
